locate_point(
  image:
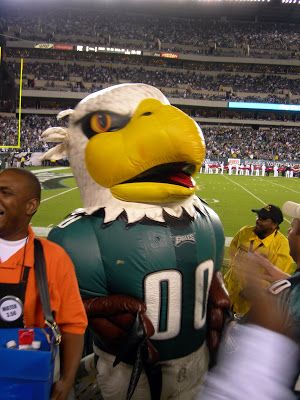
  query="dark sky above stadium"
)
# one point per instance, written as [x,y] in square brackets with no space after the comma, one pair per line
[273,10]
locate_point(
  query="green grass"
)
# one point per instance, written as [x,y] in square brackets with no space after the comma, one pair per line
[56,204]
[232,197]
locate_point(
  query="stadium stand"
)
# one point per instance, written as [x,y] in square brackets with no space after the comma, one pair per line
[199,63]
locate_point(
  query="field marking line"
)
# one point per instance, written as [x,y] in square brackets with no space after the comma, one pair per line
[59,194]
[41,230]
[49,169]
[228,240]
[253,195]
[285,187]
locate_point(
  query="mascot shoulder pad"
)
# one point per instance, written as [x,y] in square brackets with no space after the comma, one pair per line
[219,235]
[213,216]
[71,228]
[76,234]
[74,216]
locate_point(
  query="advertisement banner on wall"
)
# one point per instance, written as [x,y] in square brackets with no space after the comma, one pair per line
[104,49]
[45,46]
[169,55]
[234,161]
[62,46]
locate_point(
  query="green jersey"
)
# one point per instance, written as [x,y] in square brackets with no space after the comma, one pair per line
[167,265]
[287,293]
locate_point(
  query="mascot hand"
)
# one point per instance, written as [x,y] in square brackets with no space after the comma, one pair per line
[114,304]
[112,317]
[218,310]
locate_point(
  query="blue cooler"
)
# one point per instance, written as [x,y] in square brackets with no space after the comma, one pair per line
[26,374]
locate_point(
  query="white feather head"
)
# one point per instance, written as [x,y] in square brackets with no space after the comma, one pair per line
[122,99]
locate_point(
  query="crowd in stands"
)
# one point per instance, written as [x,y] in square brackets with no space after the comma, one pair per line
[198,35]
[178,63]
[86,72]
[90,71]
[100,74]
[222,142]
[247,143]
[228,113]
[31,129]
[54,105]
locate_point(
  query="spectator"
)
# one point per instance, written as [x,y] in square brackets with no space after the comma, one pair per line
[263,238]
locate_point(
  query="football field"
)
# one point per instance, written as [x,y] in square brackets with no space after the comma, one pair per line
[232,197]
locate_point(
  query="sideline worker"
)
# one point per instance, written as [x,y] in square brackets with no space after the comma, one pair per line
[20,194]
[263,238]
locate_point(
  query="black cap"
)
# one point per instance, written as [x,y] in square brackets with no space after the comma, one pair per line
[270,211]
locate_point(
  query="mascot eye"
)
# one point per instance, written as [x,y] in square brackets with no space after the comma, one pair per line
[100,122]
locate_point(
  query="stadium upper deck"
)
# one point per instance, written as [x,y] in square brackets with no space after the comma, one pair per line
[208,35]
[68,54]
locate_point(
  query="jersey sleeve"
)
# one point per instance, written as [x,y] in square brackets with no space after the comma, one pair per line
[80,241]
[294,310]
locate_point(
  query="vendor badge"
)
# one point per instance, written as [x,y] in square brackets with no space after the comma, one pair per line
[11,308]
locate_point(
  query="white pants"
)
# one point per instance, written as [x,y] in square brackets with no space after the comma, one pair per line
[181,378]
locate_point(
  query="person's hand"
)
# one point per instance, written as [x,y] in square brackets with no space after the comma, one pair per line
[61,390]
[256,267]
[269,271]
[266,309]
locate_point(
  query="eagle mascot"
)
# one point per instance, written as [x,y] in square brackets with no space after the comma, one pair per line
[146,249]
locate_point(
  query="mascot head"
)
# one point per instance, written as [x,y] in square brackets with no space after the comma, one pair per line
[128,143]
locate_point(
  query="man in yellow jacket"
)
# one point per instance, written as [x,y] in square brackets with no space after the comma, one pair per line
[263,238]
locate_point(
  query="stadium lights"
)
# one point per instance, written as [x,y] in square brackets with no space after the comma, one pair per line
[240,1]
[264,106]
[237,1]
[290,1]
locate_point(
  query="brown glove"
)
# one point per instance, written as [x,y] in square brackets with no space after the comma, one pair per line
[114,304]
[218,310]
[112,317]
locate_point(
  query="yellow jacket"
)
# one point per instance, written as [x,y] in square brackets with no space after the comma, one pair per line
[275,247]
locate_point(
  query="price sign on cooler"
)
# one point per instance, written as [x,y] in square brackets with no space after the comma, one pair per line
[11,308]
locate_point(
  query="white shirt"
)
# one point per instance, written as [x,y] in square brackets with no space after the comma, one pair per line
[10,247]
[255,364]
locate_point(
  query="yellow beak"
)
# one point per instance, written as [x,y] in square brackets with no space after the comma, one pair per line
[157,135]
